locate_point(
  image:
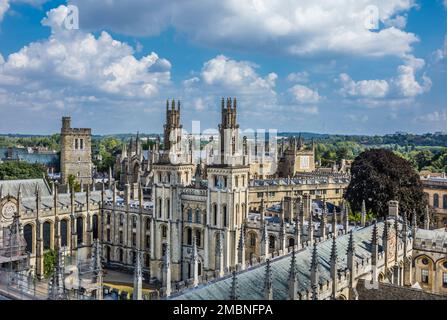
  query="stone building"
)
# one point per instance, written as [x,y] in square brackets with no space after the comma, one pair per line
[430,260]
[203,223]
[295,157]
[436,190]
[76,153]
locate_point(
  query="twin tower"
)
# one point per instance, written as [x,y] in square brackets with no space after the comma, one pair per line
[228,130]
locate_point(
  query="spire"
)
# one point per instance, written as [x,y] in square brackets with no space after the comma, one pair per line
[241,248]
[297,233]
[268,284]
[334,222]
[167,271]
[427,218]
[264,241]
[314,277]
[234,287]
[414,225]
[363,214]
[138,278]
[310,229]
[334,271]
[220,254]
[374,244]
[293,278]
[345,217]
[351,258]
[195,263]
[323,221]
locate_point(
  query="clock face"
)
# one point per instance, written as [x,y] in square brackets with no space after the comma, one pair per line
[9,210]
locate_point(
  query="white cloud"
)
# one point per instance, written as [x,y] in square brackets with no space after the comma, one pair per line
[299,77]
[73,70]
[435,116]
[303,94]
[363,88]
[397,90]
[296,27]
[4,6]
[406,82]
[441,53]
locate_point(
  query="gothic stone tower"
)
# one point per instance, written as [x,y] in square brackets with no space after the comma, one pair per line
[76,152]
[172,142]
[172,172]
[228,194]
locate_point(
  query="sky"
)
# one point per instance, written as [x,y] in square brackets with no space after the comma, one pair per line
[338,67]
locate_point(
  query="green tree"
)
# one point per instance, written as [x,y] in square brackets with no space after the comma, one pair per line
[72,182]
[14,170]
[378,176]
[49,263]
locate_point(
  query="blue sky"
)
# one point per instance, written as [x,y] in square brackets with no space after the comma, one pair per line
[293,65]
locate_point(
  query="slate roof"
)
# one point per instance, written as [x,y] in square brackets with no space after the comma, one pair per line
[28,187]
[251,281]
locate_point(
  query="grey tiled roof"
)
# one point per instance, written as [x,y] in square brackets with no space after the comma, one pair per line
[28,187]
[251,281]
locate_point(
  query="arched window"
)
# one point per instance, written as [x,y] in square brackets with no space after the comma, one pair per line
[198,220]
[148,224]
[291,242]
[46,235]
[168,208]
[108,218]
[164,231]
[122,220]
[436,200]
[147,260]
[95,226]
[80,230]
[134,239]
[271,242]
[121,254]
[252,240]
[188,236]
[159,208]
[444,201]
[237,181]
[134,221]
[198,238]
[64,232]
[28,235]
[108,254]
[224,209]
[215,214]
[121,238]
[189,217]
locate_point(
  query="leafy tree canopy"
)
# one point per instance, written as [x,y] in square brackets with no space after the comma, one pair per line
[378,176]
[13,170]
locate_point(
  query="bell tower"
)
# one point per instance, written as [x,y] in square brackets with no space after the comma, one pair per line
[230,146]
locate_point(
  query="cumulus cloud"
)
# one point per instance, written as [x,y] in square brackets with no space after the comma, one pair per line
[363,88]
[83,61]
[406,82]
[299,77]
[73,70]
[435,116]
[303,94]
[401,88]
[288,27]
[223,74]
[441,53]
[4,6]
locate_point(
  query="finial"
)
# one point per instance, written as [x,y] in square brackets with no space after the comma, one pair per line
[234,287]
[334,250]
